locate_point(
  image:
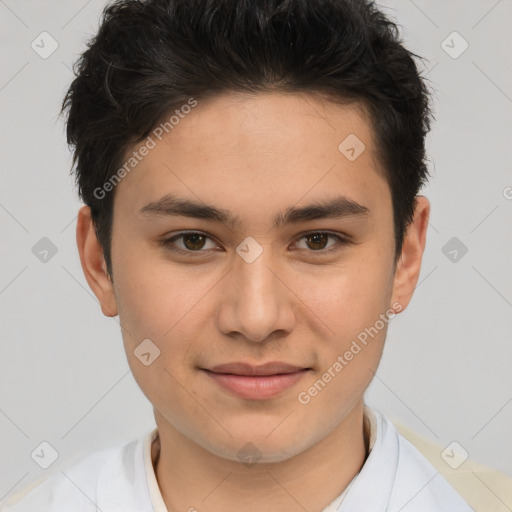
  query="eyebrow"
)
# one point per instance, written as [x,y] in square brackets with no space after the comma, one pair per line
[339,207]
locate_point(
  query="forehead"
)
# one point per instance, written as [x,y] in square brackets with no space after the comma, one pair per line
[271,124]
[256,151]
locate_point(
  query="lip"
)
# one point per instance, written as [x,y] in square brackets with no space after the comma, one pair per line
[256,382]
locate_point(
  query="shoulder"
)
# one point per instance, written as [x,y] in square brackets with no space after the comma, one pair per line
[484,488]
[418,486]
[105,479]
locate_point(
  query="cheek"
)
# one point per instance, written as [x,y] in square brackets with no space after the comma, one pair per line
[348,297]
[351,301]
[165,307]
[352,306]
[172,307]
[155,295]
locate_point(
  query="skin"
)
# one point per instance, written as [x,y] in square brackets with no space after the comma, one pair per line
[255,155]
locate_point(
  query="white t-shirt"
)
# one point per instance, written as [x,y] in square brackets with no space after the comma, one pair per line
[394,478]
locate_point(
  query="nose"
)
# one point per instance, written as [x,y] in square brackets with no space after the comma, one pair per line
[256,300]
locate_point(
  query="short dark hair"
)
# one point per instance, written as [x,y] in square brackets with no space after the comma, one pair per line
[150,57]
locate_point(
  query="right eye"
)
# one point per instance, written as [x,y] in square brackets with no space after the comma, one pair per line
[191,242]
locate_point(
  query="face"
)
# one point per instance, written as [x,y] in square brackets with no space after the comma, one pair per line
[289,261]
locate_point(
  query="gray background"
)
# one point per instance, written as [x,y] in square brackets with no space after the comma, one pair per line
[446,368]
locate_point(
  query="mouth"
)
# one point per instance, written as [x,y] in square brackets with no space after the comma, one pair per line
[256,382]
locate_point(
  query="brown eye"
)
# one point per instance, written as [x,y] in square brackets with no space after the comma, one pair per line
[323,242]
[189,243]
[194,241]
[317,241]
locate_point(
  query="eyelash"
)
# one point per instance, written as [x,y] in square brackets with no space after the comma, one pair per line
[342,241]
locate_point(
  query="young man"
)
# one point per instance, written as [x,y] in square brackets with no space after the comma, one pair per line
[251,172]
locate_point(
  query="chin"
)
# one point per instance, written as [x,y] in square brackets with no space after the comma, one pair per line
[255,445]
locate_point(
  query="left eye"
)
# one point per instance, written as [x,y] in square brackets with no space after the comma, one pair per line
[318,241]
[195,241]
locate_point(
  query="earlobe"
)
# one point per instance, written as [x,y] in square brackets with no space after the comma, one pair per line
[409,264]
[93,262]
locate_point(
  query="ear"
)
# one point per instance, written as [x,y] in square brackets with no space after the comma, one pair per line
[409,264]
[93,262]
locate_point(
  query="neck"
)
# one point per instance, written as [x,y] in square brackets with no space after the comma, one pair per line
[192,478]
